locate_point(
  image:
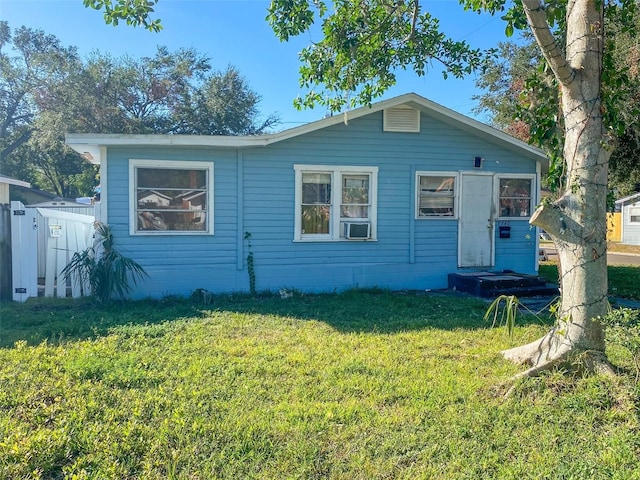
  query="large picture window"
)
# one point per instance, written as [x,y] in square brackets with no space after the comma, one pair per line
[436,195]
[515,197]
[171,197]
[335,203]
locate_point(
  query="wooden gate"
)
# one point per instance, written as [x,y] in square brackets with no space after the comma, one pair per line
[66,233]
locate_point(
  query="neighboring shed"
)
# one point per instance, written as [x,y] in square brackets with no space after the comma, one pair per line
[630,213]
[65,205]
[396,195]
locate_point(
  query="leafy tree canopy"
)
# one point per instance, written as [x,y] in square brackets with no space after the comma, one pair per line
[521,96]
[46,90]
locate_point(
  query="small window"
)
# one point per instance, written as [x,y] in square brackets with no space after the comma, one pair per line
[515,197]
[436,195]
[335,203]
[634,214]
[171,197]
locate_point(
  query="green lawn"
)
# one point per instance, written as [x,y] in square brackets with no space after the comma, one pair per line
[624,281]
[361,385]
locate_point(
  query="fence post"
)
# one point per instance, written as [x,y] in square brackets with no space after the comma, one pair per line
[24,244]
[5,251]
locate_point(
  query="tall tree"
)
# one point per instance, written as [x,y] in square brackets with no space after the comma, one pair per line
[46,90]
[521,96]
[366,40]
[223,105]
[31,63]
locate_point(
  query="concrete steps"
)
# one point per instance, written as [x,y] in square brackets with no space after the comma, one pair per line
[493,284]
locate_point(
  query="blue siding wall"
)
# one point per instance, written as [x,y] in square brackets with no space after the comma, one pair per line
[254,192]
[630,231]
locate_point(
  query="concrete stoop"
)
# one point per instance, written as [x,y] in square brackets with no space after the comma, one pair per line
[493,284]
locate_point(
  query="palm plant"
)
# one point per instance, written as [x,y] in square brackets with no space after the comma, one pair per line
[107,272]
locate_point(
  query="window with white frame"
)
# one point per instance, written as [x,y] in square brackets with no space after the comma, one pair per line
[171,197]
[634,214]
[515,196]
[436,195]
[335,202]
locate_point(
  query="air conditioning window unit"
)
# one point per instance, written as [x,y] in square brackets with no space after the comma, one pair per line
[357,231]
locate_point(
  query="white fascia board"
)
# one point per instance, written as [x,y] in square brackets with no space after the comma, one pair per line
[626,199]
[77,140]
[14,181]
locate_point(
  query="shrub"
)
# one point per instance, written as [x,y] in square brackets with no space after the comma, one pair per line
[103,268]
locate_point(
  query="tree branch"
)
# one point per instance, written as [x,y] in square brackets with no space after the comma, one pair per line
[554,221]
[23,138]
[534,10]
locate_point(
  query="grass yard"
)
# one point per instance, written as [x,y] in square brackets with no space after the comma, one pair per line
[360,385]
[624,281]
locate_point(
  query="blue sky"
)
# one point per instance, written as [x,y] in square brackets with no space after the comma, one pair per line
[234,32]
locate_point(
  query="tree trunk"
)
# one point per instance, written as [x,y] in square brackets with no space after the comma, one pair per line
[577,220]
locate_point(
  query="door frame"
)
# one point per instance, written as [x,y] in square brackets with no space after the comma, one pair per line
[491,219]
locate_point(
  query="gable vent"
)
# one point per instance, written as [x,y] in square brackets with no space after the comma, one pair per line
[401,119]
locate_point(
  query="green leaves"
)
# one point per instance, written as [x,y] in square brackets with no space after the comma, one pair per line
[289,18]
[104,269]
[46,89]
[364,45]
[133,12]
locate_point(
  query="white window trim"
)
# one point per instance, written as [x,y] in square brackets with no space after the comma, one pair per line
[335,232]
[534,193]
[429,173]
[133,220]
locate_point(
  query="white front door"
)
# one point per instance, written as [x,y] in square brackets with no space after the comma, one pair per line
[475,232]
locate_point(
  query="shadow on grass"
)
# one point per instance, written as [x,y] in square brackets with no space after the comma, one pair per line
[381,311]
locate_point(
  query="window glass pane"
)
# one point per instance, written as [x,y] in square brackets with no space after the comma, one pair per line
[436,206]
[436,196]
[355,197]
[316,188]
[315,219]
[171,178]
[177,221]
[515,197]
[436,184]
[355,189]
[171,199]
[634,215]
[354,211]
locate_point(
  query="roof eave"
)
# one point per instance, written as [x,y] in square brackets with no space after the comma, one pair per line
[626,199]
[89,144]
[14,181]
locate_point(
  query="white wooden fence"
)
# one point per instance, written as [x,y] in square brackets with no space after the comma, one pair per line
[43,233]
[66,233]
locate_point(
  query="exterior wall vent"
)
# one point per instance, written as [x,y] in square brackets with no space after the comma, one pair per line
[401,119]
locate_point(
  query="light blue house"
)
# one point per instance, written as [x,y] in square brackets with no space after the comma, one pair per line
[630,213]
[396,195]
